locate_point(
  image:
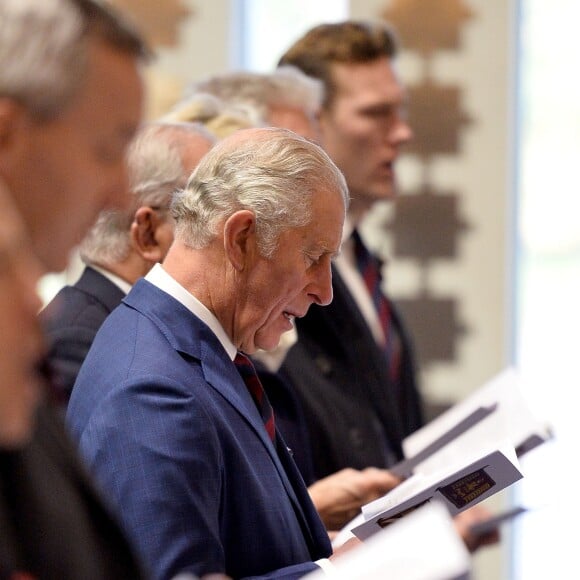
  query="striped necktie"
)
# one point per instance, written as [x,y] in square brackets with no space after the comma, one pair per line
[369,267]
[248,373]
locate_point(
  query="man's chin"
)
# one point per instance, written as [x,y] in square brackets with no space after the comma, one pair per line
[268,344]
[18,429]
[381,193]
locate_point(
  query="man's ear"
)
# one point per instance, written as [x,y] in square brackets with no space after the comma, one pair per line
[240,238]
[144,234]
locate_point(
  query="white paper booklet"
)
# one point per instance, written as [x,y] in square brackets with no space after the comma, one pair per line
[495,412]
[422,546]
[472,478]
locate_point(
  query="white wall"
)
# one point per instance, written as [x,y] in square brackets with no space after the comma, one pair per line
[481,275]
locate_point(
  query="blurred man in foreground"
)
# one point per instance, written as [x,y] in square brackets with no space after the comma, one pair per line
[70,102]
[22,344]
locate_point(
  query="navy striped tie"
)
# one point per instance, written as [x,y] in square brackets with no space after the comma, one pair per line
[248,373]
[369,267]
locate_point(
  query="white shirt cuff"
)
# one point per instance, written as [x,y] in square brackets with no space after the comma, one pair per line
[326,565]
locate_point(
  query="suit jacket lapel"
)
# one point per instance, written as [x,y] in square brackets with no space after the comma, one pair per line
[189,335]
[223,376]
[343,318]
[315,535]
[109,295]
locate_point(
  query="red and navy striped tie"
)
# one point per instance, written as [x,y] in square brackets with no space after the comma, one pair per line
[248,373]
[369,267]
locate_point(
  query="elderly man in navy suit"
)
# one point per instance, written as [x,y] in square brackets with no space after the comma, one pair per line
[166,409]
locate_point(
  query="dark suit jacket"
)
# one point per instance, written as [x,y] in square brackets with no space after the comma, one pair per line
[71,321]
[290,419]
[53,524]
[341,378]
[168,427]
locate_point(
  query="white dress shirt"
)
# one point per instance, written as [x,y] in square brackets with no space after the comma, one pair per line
[345,263]
[160,278]
[123,285]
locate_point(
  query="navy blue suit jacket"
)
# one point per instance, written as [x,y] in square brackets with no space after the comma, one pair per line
[71,321]
[168,427]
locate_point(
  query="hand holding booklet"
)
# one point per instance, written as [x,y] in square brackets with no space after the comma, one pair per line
[464,456]
[458,486]
[496,411]
[406,467]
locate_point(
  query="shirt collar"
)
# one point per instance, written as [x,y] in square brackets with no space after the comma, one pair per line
[123,285]
[162,280]
[347,229]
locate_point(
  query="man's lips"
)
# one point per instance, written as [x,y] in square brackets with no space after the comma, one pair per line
[291,315]
[387,167]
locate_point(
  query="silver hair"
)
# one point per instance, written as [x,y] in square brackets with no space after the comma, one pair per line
[156,171]
[218,118]
[256,94]
[275,175]
[42,53]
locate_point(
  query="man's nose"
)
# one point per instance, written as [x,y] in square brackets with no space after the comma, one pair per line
[321,290]
[401,132]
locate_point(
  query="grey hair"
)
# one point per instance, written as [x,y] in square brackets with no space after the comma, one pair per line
[156,171]
[218,118]
[44,49]
[275,175]
[256,94]
[42,53]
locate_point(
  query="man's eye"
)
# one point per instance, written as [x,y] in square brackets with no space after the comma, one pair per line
[108,153]
[379,112]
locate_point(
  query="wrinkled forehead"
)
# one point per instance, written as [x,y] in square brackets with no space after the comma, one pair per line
[376,77]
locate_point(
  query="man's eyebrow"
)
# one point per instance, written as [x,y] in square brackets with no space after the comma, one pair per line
[324,249]
[386,105]
[333,253]
[381,108]
[378,106]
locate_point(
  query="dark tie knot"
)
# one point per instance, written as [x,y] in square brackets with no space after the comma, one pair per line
[244,364]
[248,373]
[369,267]
[367,263]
